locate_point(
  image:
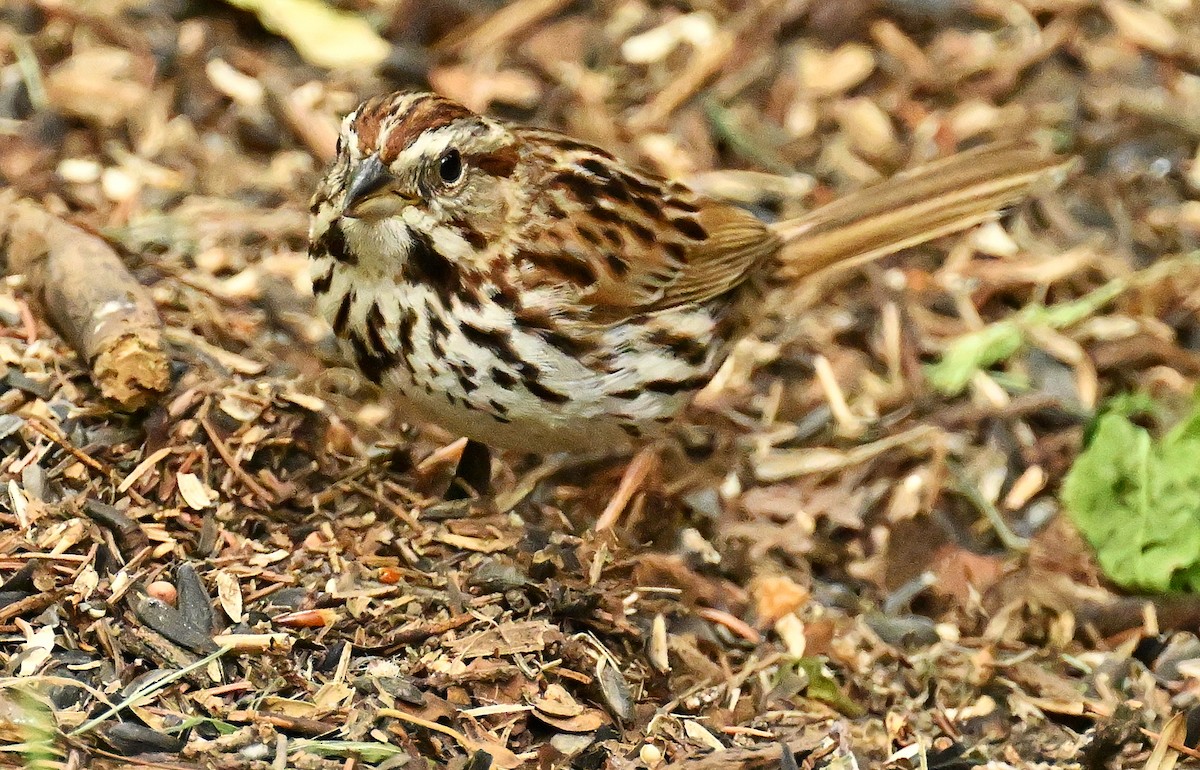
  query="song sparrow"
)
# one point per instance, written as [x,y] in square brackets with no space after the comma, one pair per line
[531,291]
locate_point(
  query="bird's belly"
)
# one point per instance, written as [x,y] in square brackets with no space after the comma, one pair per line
[512,419]
[475,370]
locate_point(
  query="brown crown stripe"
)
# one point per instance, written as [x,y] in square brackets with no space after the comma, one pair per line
[368,119]
[426,114]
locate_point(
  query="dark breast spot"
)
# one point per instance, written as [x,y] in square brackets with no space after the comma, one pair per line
[503,378]
[322,283]
[473,237]
[375,324]
[342,317]
[404,330]
[618,265]
[649,207]
[550,330]
[466,383]
[495,340]
[689,349]
[437,325]
[536,388]
[372,364]
[643,233]
[589,235]
[605,215]
[531,379]
[671,387]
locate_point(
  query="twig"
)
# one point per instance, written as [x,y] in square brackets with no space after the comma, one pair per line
[233,465]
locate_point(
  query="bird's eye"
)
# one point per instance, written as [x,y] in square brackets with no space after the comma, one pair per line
[450,166]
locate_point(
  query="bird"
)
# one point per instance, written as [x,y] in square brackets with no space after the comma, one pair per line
[531,291]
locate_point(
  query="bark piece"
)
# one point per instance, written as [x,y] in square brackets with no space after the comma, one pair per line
[91,299]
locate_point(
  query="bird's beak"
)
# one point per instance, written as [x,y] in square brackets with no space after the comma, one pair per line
[373,191]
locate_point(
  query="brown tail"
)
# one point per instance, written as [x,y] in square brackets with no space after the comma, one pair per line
[929,201]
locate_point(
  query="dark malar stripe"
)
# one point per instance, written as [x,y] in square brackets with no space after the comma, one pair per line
[425,265]
[333,243]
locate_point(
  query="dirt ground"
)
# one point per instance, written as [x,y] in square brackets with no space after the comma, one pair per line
[243,556]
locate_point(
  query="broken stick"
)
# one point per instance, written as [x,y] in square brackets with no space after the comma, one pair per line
[90,298]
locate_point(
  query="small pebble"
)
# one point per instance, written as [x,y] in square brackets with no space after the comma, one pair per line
[163,591]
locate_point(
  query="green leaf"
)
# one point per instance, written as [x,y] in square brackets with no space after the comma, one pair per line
[1137,501]
[822,687]
[996,342]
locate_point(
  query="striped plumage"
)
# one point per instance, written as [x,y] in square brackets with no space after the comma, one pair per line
[531,291]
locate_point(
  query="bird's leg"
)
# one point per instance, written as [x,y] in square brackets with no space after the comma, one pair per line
[645,461]
[473,476]
[527,484]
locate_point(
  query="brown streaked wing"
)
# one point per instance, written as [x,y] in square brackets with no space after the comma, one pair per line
[738,242]
[645,248]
